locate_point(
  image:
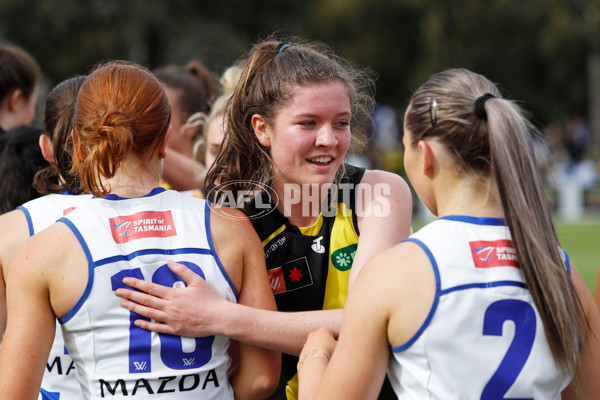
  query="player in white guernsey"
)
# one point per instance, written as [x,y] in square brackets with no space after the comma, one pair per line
[132,228]
[60,188]
[480,304]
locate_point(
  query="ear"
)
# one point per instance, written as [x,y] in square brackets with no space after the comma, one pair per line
[162,152]
[14,98]
[427,156]
[190,131]
[260,130]
[46,145]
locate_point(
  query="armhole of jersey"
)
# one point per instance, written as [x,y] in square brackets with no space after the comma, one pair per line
[436,299]
[88,287]
[28,218]
[357,176]
[212,249]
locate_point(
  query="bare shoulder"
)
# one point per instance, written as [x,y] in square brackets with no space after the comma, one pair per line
[401,283]
[389,190]
[224,221]
[234,239]
[395,181]
[13,231]
[399,262]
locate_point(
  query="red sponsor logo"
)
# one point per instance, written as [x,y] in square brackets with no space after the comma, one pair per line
[277,280]
[496,253]
[67,210]
[142,225]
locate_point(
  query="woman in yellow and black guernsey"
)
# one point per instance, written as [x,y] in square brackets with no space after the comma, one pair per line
[289,125]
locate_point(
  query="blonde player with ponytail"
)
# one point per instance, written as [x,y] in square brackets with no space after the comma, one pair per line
[482,303]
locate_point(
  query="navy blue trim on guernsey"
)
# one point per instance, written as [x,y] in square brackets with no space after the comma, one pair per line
[436,299]
[131,256]
[90,282]
[153,192]
[484,285]
[28,218]
[212,248]
[476,220]
[567,261]
[46,395]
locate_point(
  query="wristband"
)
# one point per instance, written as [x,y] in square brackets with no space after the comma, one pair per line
[314,353]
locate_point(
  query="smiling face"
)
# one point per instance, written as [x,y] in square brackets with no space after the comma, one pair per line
[309,136]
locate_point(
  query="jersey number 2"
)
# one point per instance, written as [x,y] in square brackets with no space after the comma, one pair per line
[524,318]
[172,353]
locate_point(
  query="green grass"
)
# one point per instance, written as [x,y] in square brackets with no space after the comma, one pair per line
[581,240]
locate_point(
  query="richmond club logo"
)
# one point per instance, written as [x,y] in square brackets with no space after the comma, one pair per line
[144,224]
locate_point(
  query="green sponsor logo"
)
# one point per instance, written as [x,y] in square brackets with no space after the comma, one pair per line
[342,258]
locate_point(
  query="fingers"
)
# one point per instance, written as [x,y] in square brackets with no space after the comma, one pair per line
[184,272]
[147,287]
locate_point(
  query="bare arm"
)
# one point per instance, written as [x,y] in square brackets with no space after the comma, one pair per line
[386,220]
[31,325]
[183,172]
[587,373]
[13,231]
[389,303]
[242,256]
[175,314]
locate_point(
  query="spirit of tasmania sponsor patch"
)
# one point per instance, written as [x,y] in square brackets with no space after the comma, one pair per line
[142,225]
[495,253]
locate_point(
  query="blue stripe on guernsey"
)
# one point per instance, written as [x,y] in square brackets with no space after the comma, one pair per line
[212,248]
[28,217]
[129,257]
[46,395]
[475,220]
[90,282]
[484,286]
[567,261]
[435,300]
[154,192]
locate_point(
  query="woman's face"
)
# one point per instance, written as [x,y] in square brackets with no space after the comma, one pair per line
[310,135]
[213,139]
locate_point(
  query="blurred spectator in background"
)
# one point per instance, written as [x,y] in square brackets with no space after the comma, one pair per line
[191,90]
[20,159]
[19,77]
[570,160]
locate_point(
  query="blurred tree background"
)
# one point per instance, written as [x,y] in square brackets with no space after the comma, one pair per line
[544,52]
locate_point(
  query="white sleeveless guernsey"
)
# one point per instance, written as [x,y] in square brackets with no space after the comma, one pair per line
[135,238]
[59,381]
[483,337]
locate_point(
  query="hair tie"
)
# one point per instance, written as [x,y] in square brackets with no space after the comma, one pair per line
[281,47]
[125,115]
[433,110]
[480,105]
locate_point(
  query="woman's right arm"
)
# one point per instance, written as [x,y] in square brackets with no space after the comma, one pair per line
[13,231]
[31,323]
[586,384]
[176,313]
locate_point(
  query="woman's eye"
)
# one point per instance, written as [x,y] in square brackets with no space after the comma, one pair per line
[343,123]
[307,123]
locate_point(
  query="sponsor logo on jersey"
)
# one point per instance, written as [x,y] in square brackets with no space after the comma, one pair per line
[67,210]
[317,246]
[161,385]
[342,258]
[292,275]
[142,225]
[496,253]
